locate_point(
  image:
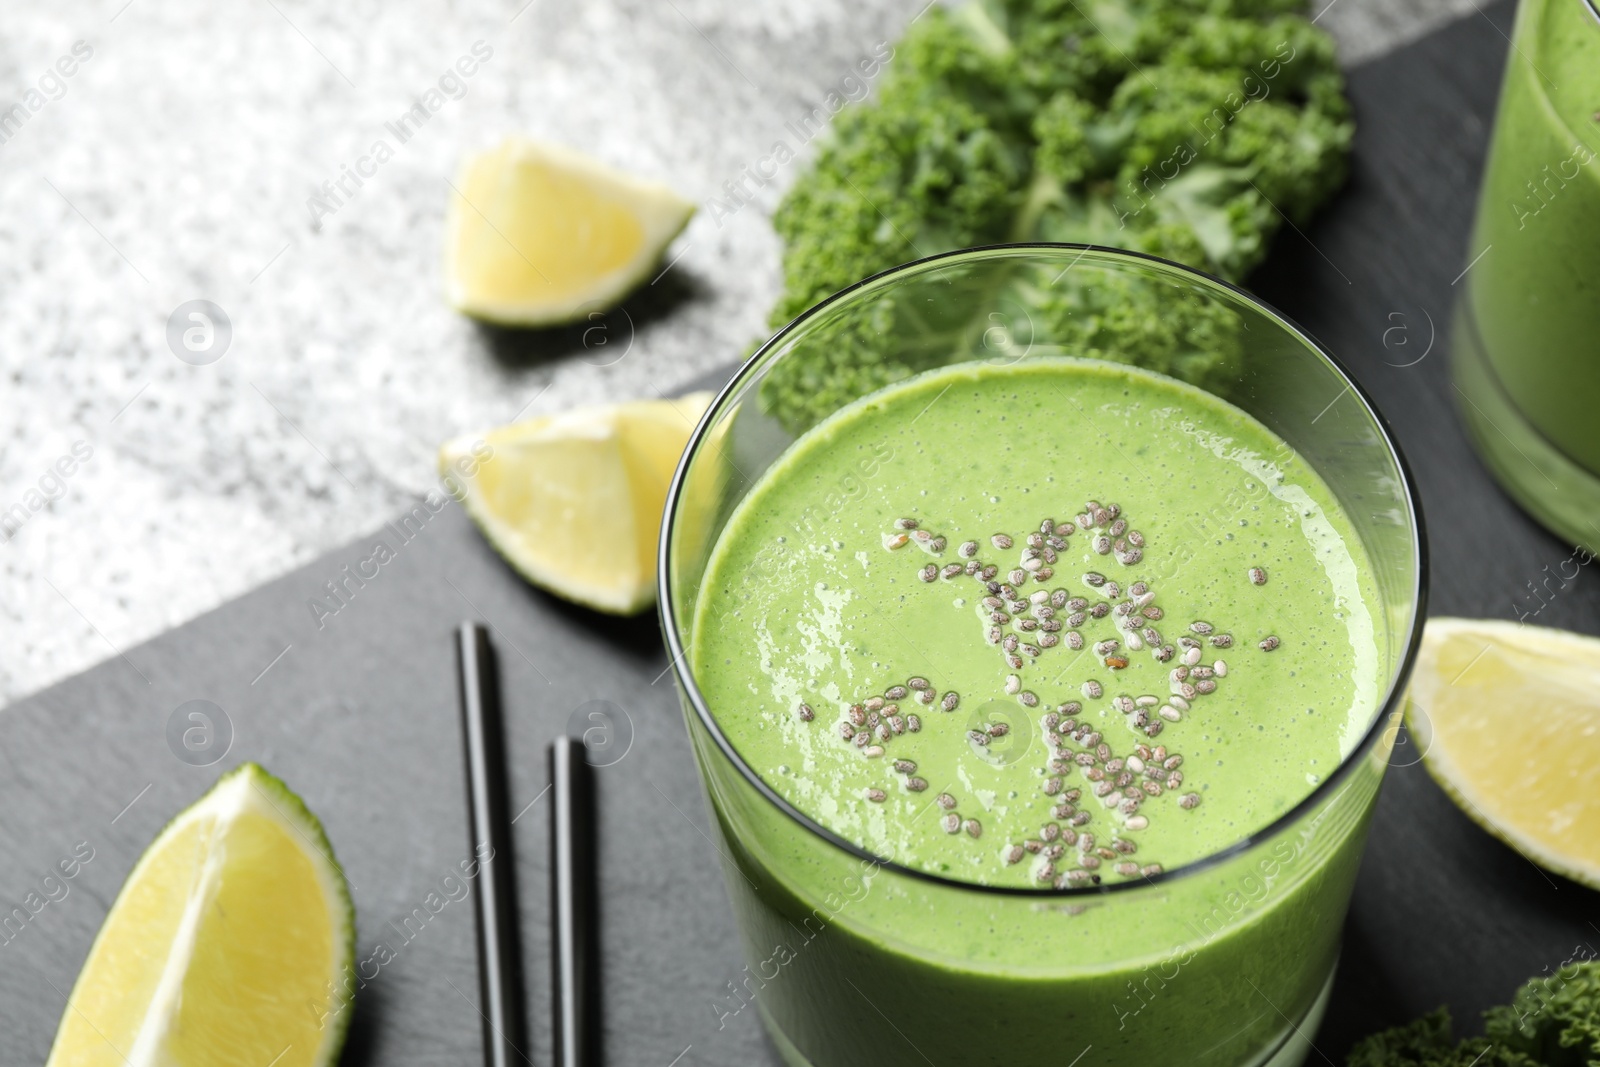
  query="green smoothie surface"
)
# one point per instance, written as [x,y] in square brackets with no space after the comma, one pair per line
[1052,624]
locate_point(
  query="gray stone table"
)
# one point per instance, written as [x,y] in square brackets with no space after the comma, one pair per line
[180,161]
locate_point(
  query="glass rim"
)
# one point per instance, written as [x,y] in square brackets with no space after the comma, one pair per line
[1386,708]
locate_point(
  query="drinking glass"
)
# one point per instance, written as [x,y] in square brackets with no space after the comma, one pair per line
[1225,961]
[1527,325]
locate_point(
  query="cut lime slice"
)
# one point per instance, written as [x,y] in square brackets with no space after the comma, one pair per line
[540,235]
[231,942]
[573,501]
[1507,719]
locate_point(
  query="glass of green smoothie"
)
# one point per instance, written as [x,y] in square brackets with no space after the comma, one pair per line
[1041,616]
[1527,325]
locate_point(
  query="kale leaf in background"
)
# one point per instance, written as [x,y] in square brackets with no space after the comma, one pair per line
[1553,1021]
[1183,128]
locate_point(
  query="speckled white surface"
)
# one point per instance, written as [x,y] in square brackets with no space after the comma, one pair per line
[176,163]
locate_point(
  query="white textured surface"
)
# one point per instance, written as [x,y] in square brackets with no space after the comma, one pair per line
[177,164]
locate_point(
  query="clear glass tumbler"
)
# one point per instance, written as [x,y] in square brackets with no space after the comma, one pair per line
[843,968]
[1527,325]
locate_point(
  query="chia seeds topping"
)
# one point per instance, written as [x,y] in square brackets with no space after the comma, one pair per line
[1132,783]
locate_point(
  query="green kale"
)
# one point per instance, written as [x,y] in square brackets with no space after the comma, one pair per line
[1553,1021]
[1188,129]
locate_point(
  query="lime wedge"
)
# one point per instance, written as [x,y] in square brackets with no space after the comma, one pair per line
[1508,723]
[231,942]
[539,235]
[573,501]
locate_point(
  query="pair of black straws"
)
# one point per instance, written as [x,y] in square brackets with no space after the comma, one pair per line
[572,877]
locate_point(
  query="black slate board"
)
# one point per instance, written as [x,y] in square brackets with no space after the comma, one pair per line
[358,713]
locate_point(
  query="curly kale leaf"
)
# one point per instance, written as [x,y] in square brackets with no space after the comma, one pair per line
[1188,129]
[1427,1042]
[931,165]
[1553,1021]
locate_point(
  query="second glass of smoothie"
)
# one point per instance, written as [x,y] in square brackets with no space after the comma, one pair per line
[1040,693]
[1527,325]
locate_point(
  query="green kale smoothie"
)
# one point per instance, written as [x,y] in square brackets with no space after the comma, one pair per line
[1054,625]
[1534,280]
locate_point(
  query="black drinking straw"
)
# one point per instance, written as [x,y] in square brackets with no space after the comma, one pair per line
[572,905]
[495,902]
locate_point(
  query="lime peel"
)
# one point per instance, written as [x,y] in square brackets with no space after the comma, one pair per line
[541,235]
[231,940]
[1506,719]
[573,502]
